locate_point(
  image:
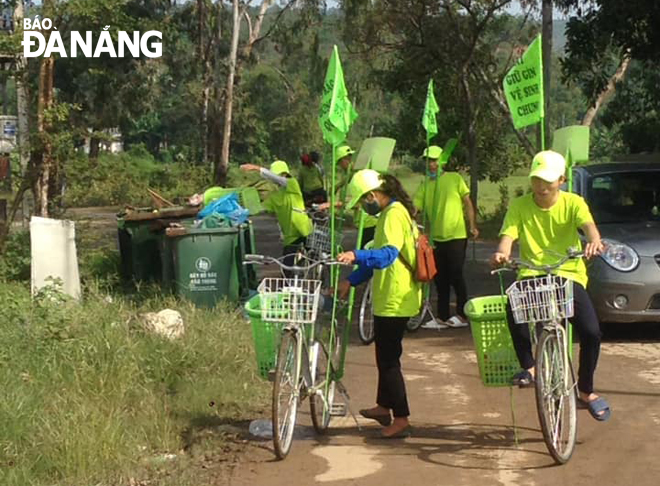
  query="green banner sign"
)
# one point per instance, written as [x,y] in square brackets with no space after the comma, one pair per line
[523,87]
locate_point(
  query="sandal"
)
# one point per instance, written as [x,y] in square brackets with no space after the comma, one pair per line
[596,406]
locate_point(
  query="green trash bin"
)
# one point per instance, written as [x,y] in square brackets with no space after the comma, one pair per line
[205,265]
[140,234]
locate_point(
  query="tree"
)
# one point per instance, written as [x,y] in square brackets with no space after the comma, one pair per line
[463,45]
[603,37]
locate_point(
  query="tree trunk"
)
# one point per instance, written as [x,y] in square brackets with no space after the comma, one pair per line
[473,160]
[22,106]
[223,166]
[94,147]
[546,12]
[203,56]
[43,158]
[608,91]
[253,36]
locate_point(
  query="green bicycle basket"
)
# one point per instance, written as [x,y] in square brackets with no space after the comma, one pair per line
[266,336]
[492,341]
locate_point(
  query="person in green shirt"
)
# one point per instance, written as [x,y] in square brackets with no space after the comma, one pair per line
[344,161]
[310,178]
[397,296]
[444,200]
[295,225]
[546,223]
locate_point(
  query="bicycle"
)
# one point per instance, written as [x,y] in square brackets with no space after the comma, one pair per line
[545,303]
[303,368]
[366,317]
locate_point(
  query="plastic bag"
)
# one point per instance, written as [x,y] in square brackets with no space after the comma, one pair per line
[227,206]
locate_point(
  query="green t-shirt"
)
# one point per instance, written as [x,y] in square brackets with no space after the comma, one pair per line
[395,291]
[310,178]
[545,235]
[442,201]
[294,225]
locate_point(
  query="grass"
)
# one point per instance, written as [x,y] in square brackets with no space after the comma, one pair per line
[90,397]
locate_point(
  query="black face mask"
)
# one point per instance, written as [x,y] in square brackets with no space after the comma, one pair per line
[372,208]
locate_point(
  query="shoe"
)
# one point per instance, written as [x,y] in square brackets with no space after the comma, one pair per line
[401,434]
[456,321]
[382,419]
[435,324]
[522,379]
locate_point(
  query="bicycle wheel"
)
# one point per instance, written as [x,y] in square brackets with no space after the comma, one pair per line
[555,397]
[286,389]
[415,322]
[366,317]
[320,404]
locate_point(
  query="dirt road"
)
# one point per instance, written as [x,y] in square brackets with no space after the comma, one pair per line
[463,432]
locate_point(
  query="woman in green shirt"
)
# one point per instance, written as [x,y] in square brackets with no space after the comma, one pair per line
[396,294]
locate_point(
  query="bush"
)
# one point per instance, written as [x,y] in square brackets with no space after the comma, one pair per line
[15,259]
[119,179]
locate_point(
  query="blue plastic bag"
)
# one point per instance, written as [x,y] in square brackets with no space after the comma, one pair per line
[227,206]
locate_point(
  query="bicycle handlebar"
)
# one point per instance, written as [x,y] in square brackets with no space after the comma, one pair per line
[265,260]
[514,265]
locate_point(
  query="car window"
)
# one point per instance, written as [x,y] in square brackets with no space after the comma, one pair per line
[625,196]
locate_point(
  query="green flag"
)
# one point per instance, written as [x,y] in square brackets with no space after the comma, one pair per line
[337,113]
[430,109]
[523,87]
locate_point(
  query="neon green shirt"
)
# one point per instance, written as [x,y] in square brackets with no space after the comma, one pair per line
[310,178]
[442,201]
[395,291]
[545,235]
[294,225]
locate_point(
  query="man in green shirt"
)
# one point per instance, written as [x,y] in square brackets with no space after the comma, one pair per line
[444,199]
[310,178]
[546,223]
[295,225]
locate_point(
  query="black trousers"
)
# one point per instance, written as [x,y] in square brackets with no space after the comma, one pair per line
[289,252]
[449,260]
[388,332]
[585,322]
[317,196]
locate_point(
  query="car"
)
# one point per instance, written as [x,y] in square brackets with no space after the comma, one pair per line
[624,198]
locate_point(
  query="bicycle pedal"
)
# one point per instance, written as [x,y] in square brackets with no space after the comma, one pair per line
[338,410]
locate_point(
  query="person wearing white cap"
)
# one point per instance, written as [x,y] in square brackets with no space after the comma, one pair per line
[445,200]
[546,222]
[295,225]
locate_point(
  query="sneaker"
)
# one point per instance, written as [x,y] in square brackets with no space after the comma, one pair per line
[522,379]
[434,324]
[456,321]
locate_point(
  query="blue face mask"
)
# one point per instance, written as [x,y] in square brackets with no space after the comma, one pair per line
[372,208]
[432,175]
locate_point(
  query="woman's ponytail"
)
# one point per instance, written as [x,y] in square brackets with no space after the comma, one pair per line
[393,188]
